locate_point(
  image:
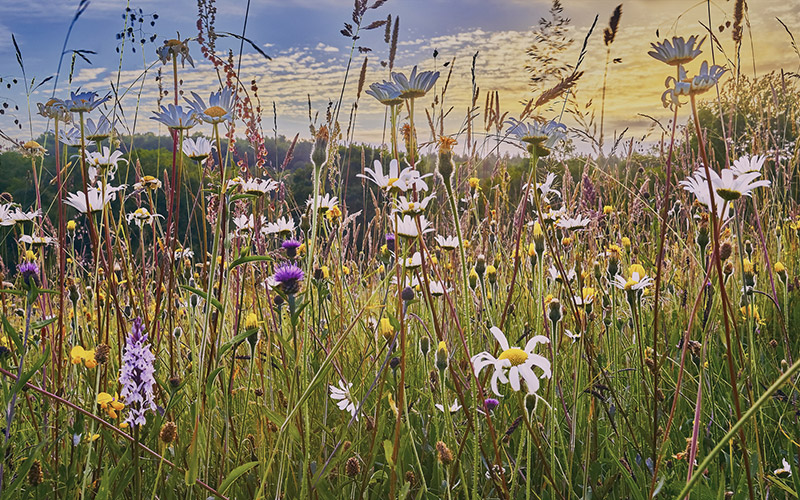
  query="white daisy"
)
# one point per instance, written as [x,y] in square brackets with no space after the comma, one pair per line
[255,186]
[678,52]
[730,186]
[747,164]
[411,179]
[36,240]
[447,242]
[197,149]
[18,215]
[574,223]
[414,261]
[409,207]
[344,399]
[407,226]
[376,175]
[324,202]
[97,198]
[283,226]
[638,280]
[142,216]
[514,364]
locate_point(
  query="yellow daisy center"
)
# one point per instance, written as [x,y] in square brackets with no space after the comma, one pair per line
[215,112]
[515,355]
[392,181]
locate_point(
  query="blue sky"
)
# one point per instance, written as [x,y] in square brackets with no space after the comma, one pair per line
[309,54]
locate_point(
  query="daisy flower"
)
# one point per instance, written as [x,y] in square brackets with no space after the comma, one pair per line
[197,149]
[97,199]
[408,207]
[376,175]
[677,52]
[730,186]
[323,202]
[344,399]
[142,216]
[410,179]
[36,240]
[638,279]
[539,134]
[97,131]
[84,102]
[18,215]
[514,364]
[175,117]
[219,109]
[416,84]
[257,187]
[283,225]
[572,223]
[748,164]
[698,186]
[71,137]
[387,93]
[407,226]
[446,242]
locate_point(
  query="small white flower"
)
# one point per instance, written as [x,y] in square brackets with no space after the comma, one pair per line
[785,471]
[142,216]
[254,186]
[344,399]
[411,179]
[453,408]
[98,198]
[747,164]
[678,52]
[36,240]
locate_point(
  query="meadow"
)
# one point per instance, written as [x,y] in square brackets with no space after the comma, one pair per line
[472,309]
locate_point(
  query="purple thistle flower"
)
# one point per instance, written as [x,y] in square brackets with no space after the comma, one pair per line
[491,404]
[291,246]
[288,276]
[136,375]
[29,270]
[390,241]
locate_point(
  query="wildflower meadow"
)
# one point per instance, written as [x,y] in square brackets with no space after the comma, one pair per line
[462,300]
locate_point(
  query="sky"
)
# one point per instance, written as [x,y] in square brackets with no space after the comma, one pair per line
[309,55]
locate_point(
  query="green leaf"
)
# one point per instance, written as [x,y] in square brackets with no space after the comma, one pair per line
[234,475]
[11,332]
[388,450]
[249,258]
[27,376]
[41,324]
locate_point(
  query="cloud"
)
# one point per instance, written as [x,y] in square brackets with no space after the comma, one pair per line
[326,48]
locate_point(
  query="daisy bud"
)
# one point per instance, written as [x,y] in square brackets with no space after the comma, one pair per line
[530,403]
[305,224]
[473,278]
[424,345]
[491,273]
[319,153]
[702,237]
[441,357]
[554,311]
[780,270]
[748,249]
[480,266]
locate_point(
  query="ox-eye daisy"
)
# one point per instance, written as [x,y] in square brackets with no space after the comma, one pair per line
[514,364]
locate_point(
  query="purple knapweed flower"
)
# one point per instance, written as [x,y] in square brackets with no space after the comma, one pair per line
[291,246]
[288,276]
[390,241]
[29,271]
[491,403]
[136,375]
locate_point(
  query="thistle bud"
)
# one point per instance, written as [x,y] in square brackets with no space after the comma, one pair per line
[407,294]
[319,153]
[725,251]
[530,403]
[443,453]
[748,249]
[101,353]
[554,311]
[168,433]
[352,467]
